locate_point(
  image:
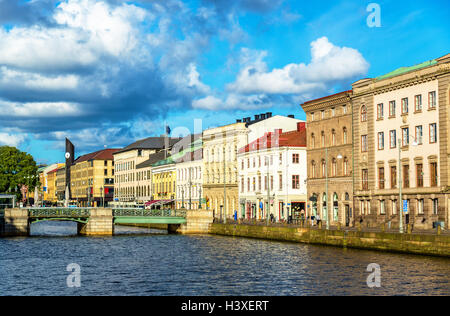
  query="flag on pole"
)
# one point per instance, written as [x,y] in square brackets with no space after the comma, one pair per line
[167,130]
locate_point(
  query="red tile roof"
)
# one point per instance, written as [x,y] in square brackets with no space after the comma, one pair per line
[105,154]
[295,138]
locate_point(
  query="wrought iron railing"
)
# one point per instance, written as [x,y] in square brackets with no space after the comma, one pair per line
[59,212]
[148,213]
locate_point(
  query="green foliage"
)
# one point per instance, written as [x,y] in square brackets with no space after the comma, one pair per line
[17,168]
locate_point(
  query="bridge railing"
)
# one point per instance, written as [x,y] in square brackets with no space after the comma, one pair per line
[148,213]
[59,212]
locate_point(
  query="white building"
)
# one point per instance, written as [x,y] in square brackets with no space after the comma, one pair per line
[189,176]
[273,168]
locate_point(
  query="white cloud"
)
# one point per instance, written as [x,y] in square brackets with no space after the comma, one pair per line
[13,140]
[40,109]
[329,64]
[208,103]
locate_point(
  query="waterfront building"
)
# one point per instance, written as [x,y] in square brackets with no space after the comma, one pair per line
[220,147]
[92,178]
[144,191]
[164,182]
[265,122]
[61,184]
[51,185]
[401,140]
[126,160]
[272,175]
[43,180]
[329,154]
[189,163]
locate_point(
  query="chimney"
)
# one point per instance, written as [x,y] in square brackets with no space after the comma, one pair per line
[291,115]
[301,126]
[238,121]
[269,114]
[262,116]
[256,117]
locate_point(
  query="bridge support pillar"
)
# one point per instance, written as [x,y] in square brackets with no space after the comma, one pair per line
[16,222]
[197,222]
[100,223]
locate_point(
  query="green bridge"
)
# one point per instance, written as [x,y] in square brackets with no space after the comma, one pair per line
[120,215]
[92,221]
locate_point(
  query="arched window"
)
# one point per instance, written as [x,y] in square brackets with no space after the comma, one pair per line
[313,141]
[344,135]
[363,114]
[334,167]
[345,166]
[324,206]
[324,168]
[335,207]
[322,138]
[313,169]
[333,137]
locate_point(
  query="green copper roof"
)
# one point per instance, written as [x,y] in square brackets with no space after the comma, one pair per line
[196,145]
[403,70]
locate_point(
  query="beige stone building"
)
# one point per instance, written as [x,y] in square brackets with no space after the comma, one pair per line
[128,179]
[220,173]
[401,132]
[329,156]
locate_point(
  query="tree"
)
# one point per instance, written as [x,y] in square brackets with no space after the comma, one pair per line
[17,168]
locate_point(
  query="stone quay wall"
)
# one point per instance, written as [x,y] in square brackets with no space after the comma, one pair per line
[423,244]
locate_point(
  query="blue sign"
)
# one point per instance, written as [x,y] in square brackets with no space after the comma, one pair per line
[405,206]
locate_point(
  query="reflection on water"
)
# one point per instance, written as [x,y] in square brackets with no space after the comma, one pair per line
[151,262]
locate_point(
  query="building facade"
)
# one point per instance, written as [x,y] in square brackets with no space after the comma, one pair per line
[220,146]
[329,155]
[92,178]
[61,184]
[164,182]
[189,163]
[272,175]
[401,141]
[126,160]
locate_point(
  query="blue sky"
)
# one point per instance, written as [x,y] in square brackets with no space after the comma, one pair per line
[106,73]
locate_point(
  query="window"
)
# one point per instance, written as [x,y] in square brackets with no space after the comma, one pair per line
[248,162]
[334,168]
[393,177]
[312,116]
[405,106]
[254,184]
[393,138]
[242,164]
[420,206]
[259,183]
[363,114]
[433,134]
[405,136]
[313,170]
[344,135]
[333,137]
[406,176]
[364,144]
[106,172]
[322,114]
[313,141]
[295,158]
[419,134]
[418,103]
[435,206]
[344,109]
[432,100]
[280,181]
[345,167]
[380,113]
[382,208]
[380,140]
[295,181]
[365,179]
[381,178]
[271,182]
[242,185]
[322,139]
[433,174]
[333,112]
[324,168]
[391,108]
[394,207]
[419,175]
[248,184]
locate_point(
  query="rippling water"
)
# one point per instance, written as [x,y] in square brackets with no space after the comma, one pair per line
[149,262]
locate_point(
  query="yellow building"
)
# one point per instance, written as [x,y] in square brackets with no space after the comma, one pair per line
[164,182]
[92,178]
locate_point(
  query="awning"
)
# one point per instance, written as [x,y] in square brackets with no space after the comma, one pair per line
[158,202]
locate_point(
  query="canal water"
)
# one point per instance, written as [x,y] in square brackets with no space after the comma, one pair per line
[150,262]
